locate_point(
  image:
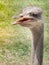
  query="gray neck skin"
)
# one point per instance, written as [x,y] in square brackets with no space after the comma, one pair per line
[37,46]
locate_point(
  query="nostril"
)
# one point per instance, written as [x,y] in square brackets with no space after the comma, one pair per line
[21,16]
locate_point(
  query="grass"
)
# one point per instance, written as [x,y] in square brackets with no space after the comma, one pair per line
[15,40]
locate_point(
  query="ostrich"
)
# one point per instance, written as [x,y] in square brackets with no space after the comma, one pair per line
[32,18]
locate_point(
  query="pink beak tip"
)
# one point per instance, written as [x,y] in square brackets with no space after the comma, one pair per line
[13,23]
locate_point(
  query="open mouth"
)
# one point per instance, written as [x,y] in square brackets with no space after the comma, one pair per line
[21,20]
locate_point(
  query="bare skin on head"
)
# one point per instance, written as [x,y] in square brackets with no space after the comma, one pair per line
[31,17]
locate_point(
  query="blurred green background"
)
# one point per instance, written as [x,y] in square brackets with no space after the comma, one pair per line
[15,41]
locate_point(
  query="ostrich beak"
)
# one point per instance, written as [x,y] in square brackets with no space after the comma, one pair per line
[15,17]
[21,18]
[17,21]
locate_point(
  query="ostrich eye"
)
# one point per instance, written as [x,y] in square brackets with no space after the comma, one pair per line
[34,15]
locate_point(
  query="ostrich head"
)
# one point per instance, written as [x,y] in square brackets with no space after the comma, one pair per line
[30,17]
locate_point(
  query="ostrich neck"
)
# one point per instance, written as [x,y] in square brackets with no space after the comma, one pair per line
[37,46]
[38,34]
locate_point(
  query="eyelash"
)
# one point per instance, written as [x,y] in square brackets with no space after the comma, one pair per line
[31,14]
